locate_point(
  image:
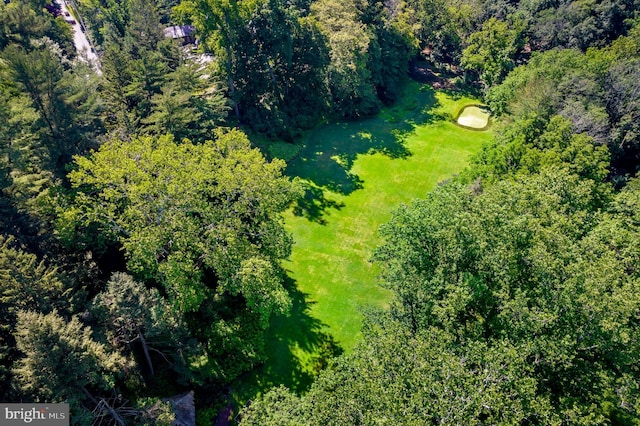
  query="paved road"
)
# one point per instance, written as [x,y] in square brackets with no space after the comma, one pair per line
[80,40]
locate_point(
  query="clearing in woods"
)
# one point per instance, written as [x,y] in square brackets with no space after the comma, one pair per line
[355,174]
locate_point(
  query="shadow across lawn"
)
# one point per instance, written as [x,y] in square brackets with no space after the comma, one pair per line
[314,203]
[298,347]
[325,161]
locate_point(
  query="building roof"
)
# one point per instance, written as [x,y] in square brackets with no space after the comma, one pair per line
[179,31]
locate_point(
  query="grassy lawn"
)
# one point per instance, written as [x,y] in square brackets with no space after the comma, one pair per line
[355,174]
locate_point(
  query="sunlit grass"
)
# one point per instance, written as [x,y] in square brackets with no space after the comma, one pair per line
[355,174]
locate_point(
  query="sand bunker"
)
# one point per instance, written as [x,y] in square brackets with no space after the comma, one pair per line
[473,117]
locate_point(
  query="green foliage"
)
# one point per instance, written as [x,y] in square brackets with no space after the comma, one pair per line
[492,50]
[144,32]
[527,261]
[28,284]
[439,25]
[286,66]
[61,360]
[391,49]
[369,47]
[278,407]
[172,113]
[22,24]
[180,210]
[51,113]
[190,105]
[279,75]
[349,40]
[396,377]
[579,23]
[543,83]
[156,412]
[233,337]
[202,222]
[37,74]
[622,85]
[271,57]
[133,314]
[530,144]
[219,23]
[137,62]
[25,284]
[22,154]
[596,91]
[121,95]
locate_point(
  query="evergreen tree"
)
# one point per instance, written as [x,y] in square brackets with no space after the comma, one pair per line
[25,284]
[135,316]
[62,362]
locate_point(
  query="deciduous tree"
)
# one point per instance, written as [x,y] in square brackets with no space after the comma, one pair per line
[491,51]
[527,261]
[397,377]
[201,221]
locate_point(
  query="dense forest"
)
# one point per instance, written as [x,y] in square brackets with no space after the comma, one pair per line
[141,229]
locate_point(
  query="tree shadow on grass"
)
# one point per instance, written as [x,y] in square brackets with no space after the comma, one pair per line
[314,203]
[298,346]
[327,158]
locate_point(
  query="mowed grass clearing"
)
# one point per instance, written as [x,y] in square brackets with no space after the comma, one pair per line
[355,174]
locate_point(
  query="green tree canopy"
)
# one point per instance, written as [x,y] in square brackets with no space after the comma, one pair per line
[349,40]
[190,106]
[515,305]
[200,220]
[597,91]
[491,51]
[527,260]
[25,284]
[62,361]
[397,377]
[132,315]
